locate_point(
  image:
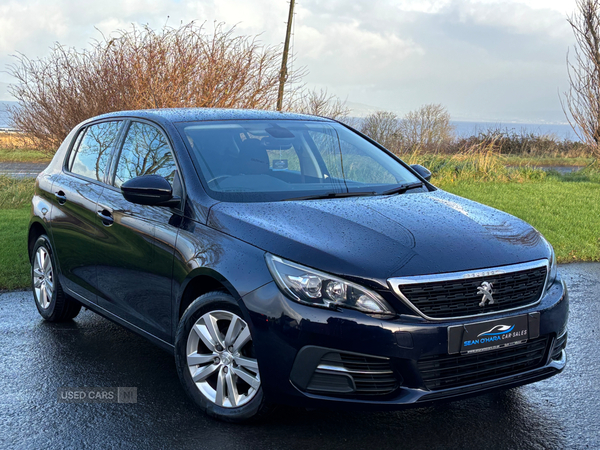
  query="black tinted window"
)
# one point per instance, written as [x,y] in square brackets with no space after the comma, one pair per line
[145,152]
[90,157]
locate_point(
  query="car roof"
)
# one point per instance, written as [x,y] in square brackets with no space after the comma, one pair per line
[209,114]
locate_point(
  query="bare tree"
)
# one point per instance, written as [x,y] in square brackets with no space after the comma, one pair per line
[582,102]
[428,128]
[319,103]
[383,127]
[143,68]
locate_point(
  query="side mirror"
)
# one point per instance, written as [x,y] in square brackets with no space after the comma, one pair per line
[149,190]
[423,171]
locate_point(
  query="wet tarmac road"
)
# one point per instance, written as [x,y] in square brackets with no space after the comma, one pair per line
[21,170]
[37,358]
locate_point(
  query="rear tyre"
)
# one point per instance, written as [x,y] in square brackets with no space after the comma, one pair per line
[216,361]
[52,303]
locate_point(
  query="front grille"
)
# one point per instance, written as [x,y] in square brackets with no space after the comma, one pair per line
[449,371]
[353,374]
[458,298]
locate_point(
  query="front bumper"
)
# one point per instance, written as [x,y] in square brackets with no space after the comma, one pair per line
[382,363]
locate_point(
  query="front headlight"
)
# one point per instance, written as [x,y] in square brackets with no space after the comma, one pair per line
[310,286]
[553,269]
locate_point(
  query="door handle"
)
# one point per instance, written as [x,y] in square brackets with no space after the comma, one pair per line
[106,217]
[61,197]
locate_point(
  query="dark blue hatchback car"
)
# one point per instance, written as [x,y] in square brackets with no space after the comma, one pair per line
[288,259]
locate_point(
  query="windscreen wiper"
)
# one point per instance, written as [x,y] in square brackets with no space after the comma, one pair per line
[403,188]
[333,195]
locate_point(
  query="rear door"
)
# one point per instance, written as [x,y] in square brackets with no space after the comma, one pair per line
[75,225]
[136,245]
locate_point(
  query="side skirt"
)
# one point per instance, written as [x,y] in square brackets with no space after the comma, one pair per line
[116,319]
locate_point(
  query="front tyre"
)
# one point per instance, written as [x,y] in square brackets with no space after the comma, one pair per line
[50,300]
[216,361]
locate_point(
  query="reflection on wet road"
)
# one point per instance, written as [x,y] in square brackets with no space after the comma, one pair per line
[38,358]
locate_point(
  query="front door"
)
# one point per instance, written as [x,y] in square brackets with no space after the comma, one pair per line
[136,244]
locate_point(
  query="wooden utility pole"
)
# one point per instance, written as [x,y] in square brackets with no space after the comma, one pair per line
[286,47]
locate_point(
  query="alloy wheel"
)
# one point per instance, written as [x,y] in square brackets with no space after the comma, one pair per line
[43,277]
[221,361]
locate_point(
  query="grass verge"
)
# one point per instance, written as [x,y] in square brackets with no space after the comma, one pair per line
[24,156]
[15,198]
[544,161]
[15,192]
[14,264]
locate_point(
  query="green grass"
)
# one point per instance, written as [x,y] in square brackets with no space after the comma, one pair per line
[480,166]
[15,198]
[543,161]
[15,192]
[14,264]
[565,212]
[24,156]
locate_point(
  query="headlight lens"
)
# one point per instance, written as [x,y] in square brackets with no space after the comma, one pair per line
[310,286]
[553,270]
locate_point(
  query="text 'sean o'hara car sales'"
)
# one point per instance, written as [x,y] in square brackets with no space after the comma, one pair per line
[289,259]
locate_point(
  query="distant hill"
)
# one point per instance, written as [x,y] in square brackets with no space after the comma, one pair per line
[4,122]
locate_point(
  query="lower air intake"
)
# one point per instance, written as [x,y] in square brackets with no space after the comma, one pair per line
[345,373]
[449,371]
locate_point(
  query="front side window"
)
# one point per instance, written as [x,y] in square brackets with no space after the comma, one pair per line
[247,161]
[145,151]
[91,152]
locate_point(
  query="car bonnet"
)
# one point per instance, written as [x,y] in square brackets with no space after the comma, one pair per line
[379,237]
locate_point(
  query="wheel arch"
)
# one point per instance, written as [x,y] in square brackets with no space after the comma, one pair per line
[36,229]
[200,282]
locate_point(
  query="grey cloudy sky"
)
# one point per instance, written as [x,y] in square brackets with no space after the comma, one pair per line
[498,60]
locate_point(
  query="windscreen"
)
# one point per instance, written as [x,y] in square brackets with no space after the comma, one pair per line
[251,161]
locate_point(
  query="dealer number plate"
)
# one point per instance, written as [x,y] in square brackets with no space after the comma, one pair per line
[490,335]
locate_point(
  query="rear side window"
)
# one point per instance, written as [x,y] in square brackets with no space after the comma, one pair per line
[146,151]
[90,157]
